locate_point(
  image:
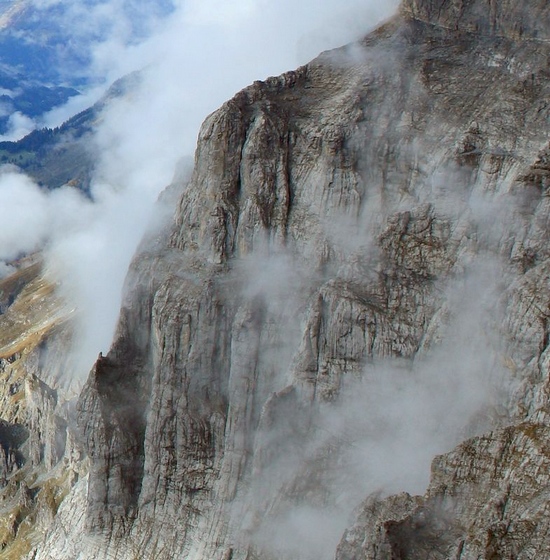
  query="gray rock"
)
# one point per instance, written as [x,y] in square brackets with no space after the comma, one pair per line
[361,254]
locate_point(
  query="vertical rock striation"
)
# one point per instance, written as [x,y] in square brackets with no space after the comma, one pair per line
[344,222]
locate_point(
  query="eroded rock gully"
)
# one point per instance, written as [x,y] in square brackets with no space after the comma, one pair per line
[376,217]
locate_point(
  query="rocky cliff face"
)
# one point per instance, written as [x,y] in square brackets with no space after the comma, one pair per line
[39,458]
[510,19]
[356,279]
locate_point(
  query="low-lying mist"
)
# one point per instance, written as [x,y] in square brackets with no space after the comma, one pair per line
[382,433]
[395,415]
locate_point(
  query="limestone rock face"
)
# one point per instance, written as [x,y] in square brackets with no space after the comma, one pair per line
[484,501]
[356,280]
[513,19]
[40,458]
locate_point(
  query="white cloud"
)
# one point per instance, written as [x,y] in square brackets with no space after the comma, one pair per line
[19,125]
[58,115]
[24,224]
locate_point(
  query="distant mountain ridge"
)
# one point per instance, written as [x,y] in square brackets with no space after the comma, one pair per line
[64,155]
[46,53]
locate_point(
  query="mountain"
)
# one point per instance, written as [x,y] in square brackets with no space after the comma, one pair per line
[46,51]
[356,281]
[29,82]
[50,42]
[65,155]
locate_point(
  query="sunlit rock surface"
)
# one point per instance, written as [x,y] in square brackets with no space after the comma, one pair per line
[40,460]
[356,280]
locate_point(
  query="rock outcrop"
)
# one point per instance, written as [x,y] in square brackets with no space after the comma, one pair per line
[356,279]
[40,460]
[487,499]
[510,19]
